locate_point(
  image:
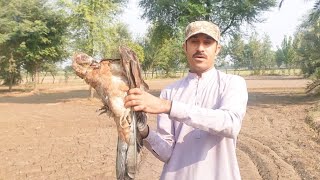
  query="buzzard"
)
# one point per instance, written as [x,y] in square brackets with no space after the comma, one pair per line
[112,78]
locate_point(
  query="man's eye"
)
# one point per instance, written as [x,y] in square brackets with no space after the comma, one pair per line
[207,42]
[194,41]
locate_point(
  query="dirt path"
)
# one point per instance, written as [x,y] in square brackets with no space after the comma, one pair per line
[58,135]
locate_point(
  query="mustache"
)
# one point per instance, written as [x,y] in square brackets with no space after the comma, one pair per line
[199,54]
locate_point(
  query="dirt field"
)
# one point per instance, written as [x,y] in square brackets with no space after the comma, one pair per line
[56,133]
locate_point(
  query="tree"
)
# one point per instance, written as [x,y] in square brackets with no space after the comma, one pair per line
[308,49]
[167,55]
[279,57]
[170,17]
[50,68]
[288,54]
[32,33]
[94,29]
[236,51]
[254,53]
[306,46]
[268,57]
[138,49]
[68,70]
[150,51]
[170,56]
[10,68]
[93,26]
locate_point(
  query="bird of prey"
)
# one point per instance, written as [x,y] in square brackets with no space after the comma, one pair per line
[112,78]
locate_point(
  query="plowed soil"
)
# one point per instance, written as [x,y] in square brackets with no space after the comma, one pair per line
[56,132]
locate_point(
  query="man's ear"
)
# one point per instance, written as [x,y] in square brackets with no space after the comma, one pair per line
[184,46]
[218,49]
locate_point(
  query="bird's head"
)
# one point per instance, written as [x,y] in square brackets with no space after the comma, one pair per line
[82,63]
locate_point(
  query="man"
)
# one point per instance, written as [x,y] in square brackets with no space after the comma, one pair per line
[199,116]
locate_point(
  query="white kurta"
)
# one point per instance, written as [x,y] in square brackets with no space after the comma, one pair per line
[197,140]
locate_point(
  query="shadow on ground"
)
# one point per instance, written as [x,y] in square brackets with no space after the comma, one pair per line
[52,97]
[276,98]
[43,98]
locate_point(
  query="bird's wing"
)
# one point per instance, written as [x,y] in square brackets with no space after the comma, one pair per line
[131,66]
[132,71]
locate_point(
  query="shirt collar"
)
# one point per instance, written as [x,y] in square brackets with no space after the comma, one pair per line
[208,74]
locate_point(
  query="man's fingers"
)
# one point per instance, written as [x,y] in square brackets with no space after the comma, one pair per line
[135,104]
[135,91]
[132,96]
[138,108]
[131,102]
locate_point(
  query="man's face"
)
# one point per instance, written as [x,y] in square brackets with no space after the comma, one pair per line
[201,51]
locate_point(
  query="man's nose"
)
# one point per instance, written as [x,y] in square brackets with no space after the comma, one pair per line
[200,47]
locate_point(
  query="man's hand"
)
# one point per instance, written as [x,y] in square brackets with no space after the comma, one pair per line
[140,100]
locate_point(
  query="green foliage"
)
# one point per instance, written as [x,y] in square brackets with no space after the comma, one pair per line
[314,16]
[236,51]
[138,49]
[268,57]
[33,33]
[306,44]
[94,26]
[170,56]
[68,70]
[150,50]
[11,75]
[115,36]
[51,68]
[255,54]
[279,56]
[170,17]
[307,48]
[288,52]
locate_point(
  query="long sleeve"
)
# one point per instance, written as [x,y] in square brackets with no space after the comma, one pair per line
[226,120]
[161,143]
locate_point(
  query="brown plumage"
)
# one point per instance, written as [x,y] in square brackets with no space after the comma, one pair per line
[112,78]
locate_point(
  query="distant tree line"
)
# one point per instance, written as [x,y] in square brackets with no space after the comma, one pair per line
[35,35]
[300,51]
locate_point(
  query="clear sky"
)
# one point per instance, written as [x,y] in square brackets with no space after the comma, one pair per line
[279,22]
[131,16]
[284,21]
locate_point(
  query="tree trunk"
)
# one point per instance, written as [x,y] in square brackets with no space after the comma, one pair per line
[53,77]
[37,76]
[152,73]
[10,82]
[43,77]
[27,79]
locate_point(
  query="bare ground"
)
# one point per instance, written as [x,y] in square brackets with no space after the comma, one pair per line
[57,133]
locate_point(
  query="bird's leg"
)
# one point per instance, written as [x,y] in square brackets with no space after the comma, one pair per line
[125,119]
[124,124]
